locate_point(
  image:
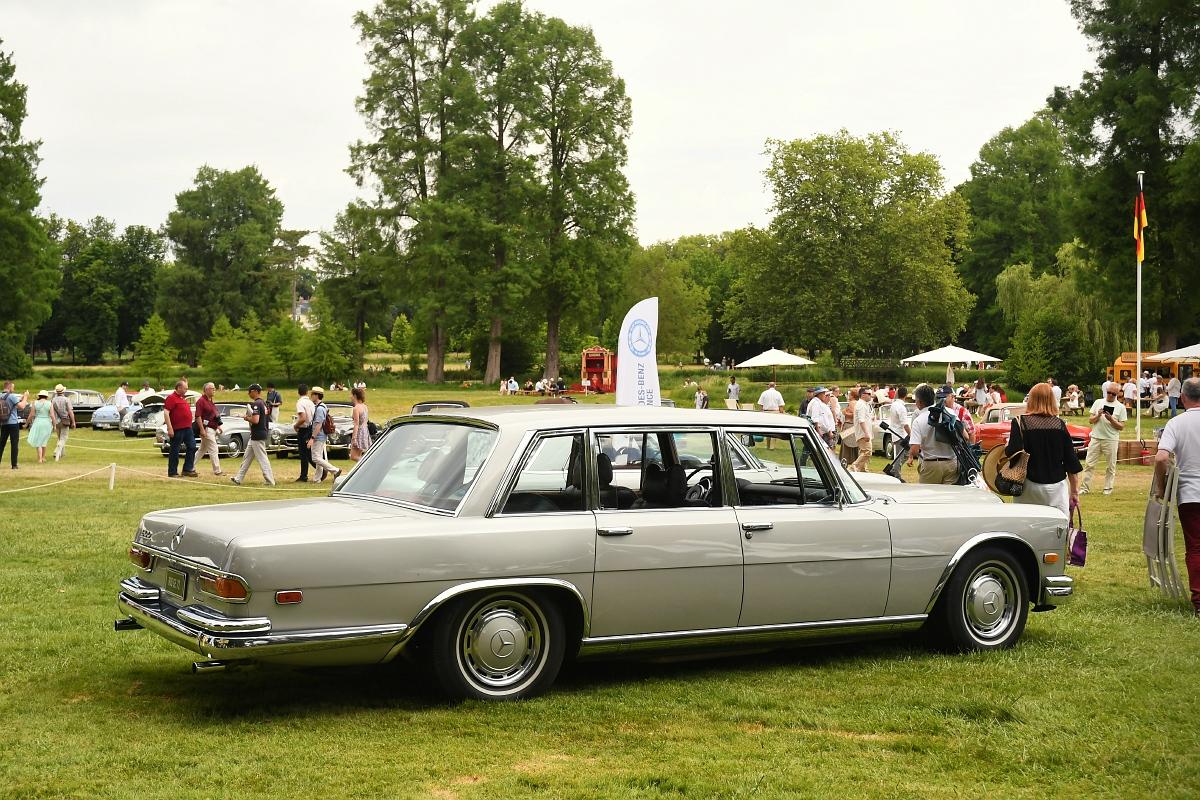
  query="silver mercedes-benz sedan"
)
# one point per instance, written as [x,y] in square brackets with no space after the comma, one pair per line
[501,541]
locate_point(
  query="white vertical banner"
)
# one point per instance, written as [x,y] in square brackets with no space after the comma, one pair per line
[637,362]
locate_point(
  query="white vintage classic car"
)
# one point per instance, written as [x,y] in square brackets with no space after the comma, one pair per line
[493,543]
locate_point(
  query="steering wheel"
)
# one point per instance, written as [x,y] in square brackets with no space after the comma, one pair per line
[698,469]
[701,490]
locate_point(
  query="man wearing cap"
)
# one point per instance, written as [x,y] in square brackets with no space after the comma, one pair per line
[260,426]
[178,416]
[121,399]
[821,415]
[64,415]
[863,419]
[1108,418]
[937,462]
[320,439]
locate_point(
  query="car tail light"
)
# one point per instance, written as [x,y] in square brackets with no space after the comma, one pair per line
[141,557]
[289,597]
[224,588]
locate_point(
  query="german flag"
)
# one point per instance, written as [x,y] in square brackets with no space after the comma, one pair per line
[1139,225]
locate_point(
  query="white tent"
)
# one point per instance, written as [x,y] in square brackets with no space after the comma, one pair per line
[950,354]
[1191,353]
[774,358]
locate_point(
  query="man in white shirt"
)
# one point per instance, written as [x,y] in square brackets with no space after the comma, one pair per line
[1106,432]
[897,420]
[305,411]
[863,422]
[1181,438]
[822,415]
[121,399]
[1174,387]
[1054,387]
[1129,390]
[938,463]
[733,391]
[770,399]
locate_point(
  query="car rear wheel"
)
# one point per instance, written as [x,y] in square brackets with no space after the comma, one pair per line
[498,646]
[130,434]
[985,604]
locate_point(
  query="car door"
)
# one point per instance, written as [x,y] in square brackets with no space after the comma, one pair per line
[809,554]
[669,564]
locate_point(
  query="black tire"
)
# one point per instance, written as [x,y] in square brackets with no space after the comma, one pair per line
[985,603]
[237,446]
[281,454]
[501,645]
[130,434]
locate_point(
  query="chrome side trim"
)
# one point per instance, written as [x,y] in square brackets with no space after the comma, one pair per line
[210,620]
[164,621]
[138,589]
[964,548]
[748,635]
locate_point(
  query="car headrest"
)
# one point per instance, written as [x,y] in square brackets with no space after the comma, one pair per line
[431,465]
[654,484]
[604,469]
[676,484]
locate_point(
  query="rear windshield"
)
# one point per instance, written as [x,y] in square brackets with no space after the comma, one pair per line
[430,464]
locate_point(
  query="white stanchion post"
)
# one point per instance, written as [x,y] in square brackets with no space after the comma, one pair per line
[112,476]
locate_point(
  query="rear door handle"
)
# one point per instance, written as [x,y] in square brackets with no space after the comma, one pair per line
[614,531]
[749,528]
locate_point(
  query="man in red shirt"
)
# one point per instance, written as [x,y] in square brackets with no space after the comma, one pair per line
[178,416]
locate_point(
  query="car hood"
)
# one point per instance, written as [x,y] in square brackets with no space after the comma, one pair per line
[931,493]
[210,532]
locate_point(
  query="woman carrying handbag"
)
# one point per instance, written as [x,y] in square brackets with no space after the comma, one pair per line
[1051,466]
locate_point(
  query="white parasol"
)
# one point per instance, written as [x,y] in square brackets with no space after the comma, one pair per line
[774,358]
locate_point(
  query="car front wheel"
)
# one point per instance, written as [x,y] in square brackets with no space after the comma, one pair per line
[498,646]
[985,604]
[236,446]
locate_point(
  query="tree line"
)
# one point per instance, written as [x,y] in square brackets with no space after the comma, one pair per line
[497,220]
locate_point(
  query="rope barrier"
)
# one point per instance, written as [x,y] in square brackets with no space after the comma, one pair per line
[230,485]
[105,468]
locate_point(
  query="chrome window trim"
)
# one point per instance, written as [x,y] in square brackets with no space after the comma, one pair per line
[508,481]
[421,420]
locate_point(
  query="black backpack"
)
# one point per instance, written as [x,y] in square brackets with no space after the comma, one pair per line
[947,428]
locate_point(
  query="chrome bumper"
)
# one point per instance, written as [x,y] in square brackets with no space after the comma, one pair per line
[216,636]
[1056,590]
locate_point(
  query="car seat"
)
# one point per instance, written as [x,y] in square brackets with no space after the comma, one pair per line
[612,496]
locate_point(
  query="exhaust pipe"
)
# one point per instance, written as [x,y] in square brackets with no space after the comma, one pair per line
[204,667]
[127,624]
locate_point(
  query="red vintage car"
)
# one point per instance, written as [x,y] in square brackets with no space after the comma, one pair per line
[997,422]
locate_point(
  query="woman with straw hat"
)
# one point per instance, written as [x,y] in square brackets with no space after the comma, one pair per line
[41,425]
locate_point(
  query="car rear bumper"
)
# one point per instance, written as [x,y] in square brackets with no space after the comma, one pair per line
[216,636]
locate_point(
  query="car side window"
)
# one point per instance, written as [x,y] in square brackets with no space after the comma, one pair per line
[551,477]
[675,469]
[791,472]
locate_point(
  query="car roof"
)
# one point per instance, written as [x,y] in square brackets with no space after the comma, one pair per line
[537,417]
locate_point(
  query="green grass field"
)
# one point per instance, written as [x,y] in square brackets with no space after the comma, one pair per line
[1098,700]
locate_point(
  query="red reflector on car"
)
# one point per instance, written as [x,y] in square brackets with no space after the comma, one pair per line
[225,588]
[140,557]
[289,597]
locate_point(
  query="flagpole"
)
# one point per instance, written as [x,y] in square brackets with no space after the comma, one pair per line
[1138,380]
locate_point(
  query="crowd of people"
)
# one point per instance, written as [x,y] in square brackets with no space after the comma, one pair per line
[193,431]
[542,386]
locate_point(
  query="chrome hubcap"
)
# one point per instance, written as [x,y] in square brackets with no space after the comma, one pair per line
[501,643]
[989,603]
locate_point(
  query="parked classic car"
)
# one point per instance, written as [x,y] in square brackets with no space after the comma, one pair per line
[107,417]
[492,543]
[84,402]
[147,416]
[997,422]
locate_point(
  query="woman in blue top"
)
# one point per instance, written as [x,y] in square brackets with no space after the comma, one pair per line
[42,425]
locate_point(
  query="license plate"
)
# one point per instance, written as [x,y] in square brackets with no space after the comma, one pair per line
[176,583]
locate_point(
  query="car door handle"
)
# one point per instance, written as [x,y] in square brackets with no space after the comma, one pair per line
[749,528]
[614,531]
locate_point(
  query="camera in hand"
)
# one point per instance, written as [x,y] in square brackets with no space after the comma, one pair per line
[1109,410]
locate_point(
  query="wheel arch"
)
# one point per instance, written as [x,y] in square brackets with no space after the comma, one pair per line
[1018,547]
[565,594]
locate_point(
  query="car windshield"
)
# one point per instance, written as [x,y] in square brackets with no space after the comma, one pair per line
[430,464]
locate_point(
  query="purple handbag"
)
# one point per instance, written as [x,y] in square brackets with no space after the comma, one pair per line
[1076,538]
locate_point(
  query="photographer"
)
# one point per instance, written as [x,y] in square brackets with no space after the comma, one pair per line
[1108,417]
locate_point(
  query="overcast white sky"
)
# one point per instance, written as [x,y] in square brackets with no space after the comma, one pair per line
[130,97]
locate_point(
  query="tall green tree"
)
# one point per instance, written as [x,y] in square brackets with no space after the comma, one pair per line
[862,252]
[1017,195]
[290,256]
[417,102]
[653,271]
[222,230]
[153,354]
[1139,110]
[136,257]
[328,351]
[26,255]
[579,116]
[357,263]
[286,340]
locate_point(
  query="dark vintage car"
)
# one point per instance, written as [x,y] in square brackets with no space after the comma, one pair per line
[84,403]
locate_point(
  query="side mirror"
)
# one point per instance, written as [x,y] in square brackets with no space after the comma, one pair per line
[839,497]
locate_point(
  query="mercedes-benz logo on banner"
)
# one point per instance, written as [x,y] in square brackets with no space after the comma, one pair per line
[641,339]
